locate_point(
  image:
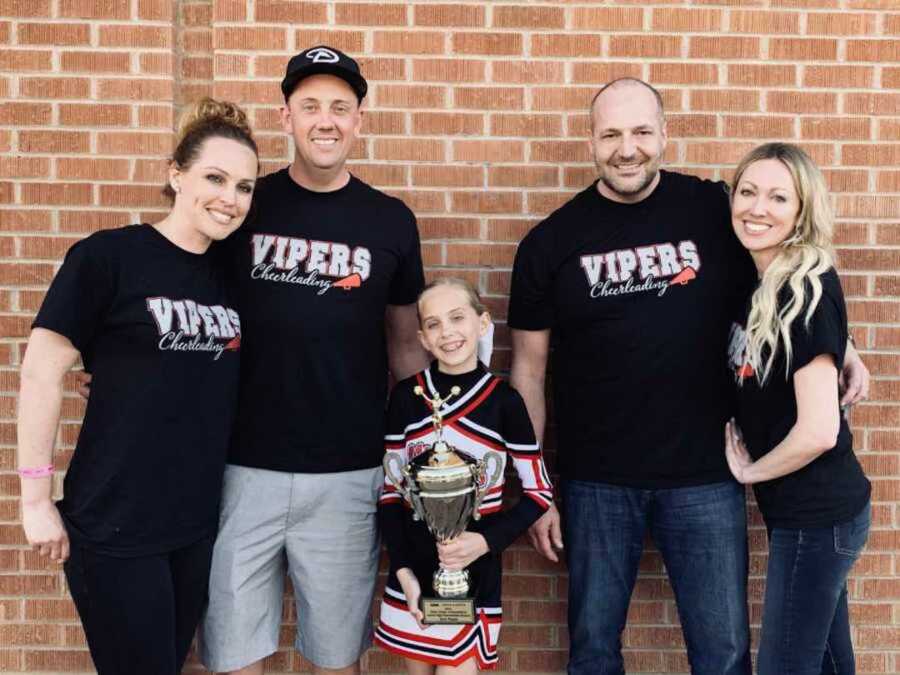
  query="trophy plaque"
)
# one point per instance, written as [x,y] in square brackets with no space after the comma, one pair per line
[445,487]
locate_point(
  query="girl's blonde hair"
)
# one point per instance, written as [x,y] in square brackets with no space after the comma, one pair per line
[454,282]
[804,256]
[205,119]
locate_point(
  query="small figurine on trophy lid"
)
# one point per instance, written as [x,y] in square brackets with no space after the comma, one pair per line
[445,487]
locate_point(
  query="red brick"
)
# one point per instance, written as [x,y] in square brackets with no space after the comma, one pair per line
[54,87]
[55,34]
[448,70]
[888,181]
[837,128]
[25,8]
[155,10]
[531,125]
[759,126]
[142,89]
[562,98]
[840,23]
[94,9]
[447,124]
[90,221]
[868,206]
[872,104]
[601,73]
[529,17]
[567,44]
[766,76]
[132,195]
[244,38]
[410,96]
[233,65]
[155,116]
[841,77]
[890,78]
[383,175]
[523,176]
[22,60]
[763,22]
[724,99]
[404,42]
[134,143]
[370,14]
[135,36]
[24,167]
[488,151]
[448,176]
[724,48]
[449,228]
[873,50]
[491,44]
[92,169]
[96,62]
[607,18]
[682,20]
[871,155]
[802,49]
[57,193]
[841,180]
[645,46]
[345,40]
[807,102]
[684,73]
[24,220]
[717,152]
[383,123]
[163,64]
[489,98]
[448,15]
[280,11]
[25,114]
[424,150]
[530,72]
[686,126]
[560,151]
[478,255]
[68,142]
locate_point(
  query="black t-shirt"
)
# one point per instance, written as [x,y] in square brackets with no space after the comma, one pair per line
[313,273]
[639,299]
[154,327]
[832,488]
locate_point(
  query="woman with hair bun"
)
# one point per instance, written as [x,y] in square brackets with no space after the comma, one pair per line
[145,308]
[791,441]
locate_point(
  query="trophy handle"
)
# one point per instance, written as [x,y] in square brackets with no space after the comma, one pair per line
[395,470]
[491,476]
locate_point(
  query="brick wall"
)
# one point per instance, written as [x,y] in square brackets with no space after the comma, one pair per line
[477,115]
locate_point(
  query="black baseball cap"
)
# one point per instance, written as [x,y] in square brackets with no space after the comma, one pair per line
[327,60]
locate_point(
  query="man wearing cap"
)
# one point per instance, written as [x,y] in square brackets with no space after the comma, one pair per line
[326,271]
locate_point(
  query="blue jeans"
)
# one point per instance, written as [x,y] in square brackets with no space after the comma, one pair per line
[701,533]
[805,626]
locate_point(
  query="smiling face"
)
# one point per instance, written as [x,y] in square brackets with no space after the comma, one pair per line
[322,115]
[213,194]
[449,328]
[764,209]
[628,139]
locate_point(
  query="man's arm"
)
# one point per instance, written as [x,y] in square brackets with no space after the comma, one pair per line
[530,350]
[406,356]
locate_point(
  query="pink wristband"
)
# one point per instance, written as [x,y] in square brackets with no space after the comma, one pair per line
[37,472]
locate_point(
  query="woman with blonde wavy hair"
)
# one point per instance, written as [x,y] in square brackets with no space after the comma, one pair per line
[145,308]
[790,440]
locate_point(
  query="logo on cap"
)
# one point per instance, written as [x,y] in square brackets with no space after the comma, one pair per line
[322,55]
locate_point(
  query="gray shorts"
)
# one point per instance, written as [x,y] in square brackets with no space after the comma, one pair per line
[324,527]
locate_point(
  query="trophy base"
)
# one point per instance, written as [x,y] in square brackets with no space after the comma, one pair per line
[440,611]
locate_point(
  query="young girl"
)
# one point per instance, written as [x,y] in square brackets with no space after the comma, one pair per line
[487,414]
[794,446]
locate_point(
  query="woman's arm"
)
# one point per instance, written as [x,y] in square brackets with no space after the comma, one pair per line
[815,431]
[48,358]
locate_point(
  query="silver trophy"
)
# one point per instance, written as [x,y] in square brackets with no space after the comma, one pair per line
[445,487]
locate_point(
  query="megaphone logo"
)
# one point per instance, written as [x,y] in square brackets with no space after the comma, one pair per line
[322,55]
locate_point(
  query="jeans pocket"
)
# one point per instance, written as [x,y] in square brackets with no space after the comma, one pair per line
[850,537]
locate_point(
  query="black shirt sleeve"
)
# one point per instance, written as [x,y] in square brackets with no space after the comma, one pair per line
[410,278]
[537,492]
[391,511]
[530,295]
[80,295]
[826,332]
